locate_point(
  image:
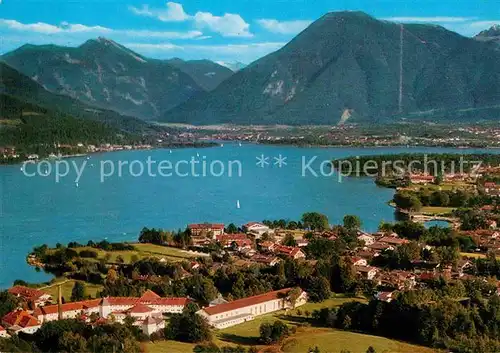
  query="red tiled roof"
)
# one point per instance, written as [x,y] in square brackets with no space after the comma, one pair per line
[242,303]
[149,295]
[26,292]
[393,240]
[125,301]
[139,308]
[229,238]
[21,318]
[287,250]
[206,226]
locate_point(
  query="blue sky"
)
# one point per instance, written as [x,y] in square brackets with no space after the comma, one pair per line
[220,30]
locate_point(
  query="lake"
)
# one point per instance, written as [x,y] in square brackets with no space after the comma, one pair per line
[37,210]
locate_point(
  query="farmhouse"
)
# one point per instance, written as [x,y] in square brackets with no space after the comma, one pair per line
[241,310]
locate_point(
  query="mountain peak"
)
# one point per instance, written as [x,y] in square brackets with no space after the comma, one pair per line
[492,31]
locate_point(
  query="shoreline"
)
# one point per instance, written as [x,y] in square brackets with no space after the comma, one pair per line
[77,155]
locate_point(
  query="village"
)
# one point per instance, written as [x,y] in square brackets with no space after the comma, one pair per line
[254,244]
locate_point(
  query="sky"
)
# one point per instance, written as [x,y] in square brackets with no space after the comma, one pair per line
[219,30]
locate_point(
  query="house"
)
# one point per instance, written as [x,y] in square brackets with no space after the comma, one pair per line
[492,224]
[248,252]
[393,241]
[257,229]
[464,266]
[268,260]
[421,178]
[379,246]
[3,332]
[290,251]
[302,243]
[152,324]
[20,321]
[358,261]
[385,296]
[267,246]
[30,295]
[242,310]
[397,279]
[236,241]
[368,239]
[367,272]
[206,229]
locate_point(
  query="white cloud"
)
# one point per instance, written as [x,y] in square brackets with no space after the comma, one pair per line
[436,19]
[78,28]
[38,27]
[283,27]
[229,25]
[173,13]
[232,52]
[69,28]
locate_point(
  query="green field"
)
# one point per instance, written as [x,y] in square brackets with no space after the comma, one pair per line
[328,340]
[67,287]
[142,251]
[431,210]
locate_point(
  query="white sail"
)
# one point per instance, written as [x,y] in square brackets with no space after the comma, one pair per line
[238,204]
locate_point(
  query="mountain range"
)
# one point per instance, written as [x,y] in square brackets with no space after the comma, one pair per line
[346,65]
[19,94]
[108,75]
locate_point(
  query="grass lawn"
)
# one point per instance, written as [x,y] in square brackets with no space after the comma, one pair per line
[67,287]
[476,255]
[334,341]
[328,340]
[436,210]
[143,251]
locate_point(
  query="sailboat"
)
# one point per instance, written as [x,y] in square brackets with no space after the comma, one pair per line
[237,203]
[222,145]
[170,151]
[239,143]
[197,154]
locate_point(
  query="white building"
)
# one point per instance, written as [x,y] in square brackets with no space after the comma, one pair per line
[150,305]
[257,229]
[242,310]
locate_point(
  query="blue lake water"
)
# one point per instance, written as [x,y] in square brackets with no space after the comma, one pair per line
[37,210]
